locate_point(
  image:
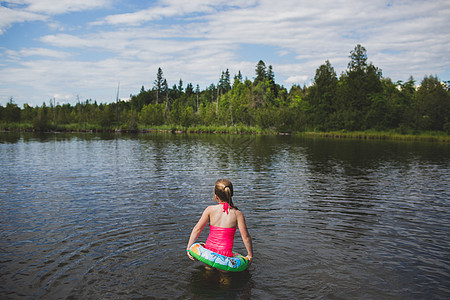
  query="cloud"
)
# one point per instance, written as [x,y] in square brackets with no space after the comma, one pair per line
[296,79]
[172,8]
[10,16]
[20,11]
[196,40]
[51,7]
[41,52]
[134,19]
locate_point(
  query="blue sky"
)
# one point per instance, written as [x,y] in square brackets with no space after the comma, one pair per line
[82,49]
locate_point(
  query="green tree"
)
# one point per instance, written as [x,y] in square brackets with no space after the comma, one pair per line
[187,117]
[239,105]
[224,82]
[322,96]
[64,115]
[11,113]
[356,89]
[42,120]
[107,116]
[260,72]
[237,78]
[197,95]
[408,95]
[432,105]
[179,88]
[358,58]
[159,84]
[386,110]
[271,78]
[143,98]
[28,114]
[378,115]
[152,114]
[207,113]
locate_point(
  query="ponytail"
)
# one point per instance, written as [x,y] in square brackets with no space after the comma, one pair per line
[224,190]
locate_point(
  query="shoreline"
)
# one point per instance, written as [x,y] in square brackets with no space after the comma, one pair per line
[165,129]
[439,137]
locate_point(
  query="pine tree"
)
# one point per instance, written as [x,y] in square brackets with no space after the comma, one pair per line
[260,72]
[159,83]
[271,79]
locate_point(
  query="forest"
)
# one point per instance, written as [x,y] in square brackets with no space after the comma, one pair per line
[360,99]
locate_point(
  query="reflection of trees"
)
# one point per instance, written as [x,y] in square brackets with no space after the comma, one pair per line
[343,179]
[253,162]
[354,184]
[9,137]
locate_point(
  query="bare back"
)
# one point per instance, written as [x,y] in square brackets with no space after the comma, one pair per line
[219,218]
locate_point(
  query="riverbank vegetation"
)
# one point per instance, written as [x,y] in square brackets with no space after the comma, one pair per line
[359,103]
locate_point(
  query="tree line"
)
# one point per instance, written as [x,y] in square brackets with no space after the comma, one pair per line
[359,99]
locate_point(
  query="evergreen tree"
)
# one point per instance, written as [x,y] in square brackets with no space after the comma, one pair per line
[322,96]
[159,82]
[165,91]
[238,77]
[432,105]
[224,82]
[180,87]
[11,114]
[197,92]
[356,90]
[189,90]
[271,79]
[260,72]
[358,58]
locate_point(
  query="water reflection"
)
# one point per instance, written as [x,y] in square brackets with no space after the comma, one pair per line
[89,216]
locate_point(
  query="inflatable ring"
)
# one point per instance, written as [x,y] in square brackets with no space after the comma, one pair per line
[235,263]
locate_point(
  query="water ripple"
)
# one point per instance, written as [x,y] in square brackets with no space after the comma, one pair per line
[107,217]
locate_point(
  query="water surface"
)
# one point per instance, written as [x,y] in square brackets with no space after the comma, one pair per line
[106,216]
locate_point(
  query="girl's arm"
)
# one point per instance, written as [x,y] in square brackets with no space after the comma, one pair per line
[204,219]
[245,235]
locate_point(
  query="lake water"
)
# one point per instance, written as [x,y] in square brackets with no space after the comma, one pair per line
[88,216]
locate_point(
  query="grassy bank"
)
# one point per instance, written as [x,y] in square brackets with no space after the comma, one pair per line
[383,135]
[74,127]
[238,129]
[87,127]
[207,129]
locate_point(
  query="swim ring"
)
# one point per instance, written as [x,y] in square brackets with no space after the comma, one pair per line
[235,263]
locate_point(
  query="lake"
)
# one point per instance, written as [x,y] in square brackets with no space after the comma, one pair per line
[86,216]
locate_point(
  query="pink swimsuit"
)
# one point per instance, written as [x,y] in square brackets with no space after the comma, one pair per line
[220,239]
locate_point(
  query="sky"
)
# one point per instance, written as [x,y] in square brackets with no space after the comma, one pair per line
[89,49]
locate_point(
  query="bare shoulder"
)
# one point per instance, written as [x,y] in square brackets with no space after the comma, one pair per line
[213,207]
[209,208]
[239,214]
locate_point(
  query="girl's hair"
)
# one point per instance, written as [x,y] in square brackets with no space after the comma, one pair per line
[224,190]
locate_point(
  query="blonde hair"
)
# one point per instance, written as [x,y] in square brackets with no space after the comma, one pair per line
[224,190]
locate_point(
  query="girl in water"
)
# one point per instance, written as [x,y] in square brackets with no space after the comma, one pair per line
[223,219]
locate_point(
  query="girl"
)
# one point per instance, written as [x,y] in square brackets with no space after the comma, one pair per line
[223,219]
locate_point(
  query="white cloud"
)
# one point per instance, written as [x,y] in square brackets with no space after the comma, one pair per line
[42,52]
[134,19]
[52,7]
[10,16]
[299,79]
[196,40]
[171,8]
[19,11]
